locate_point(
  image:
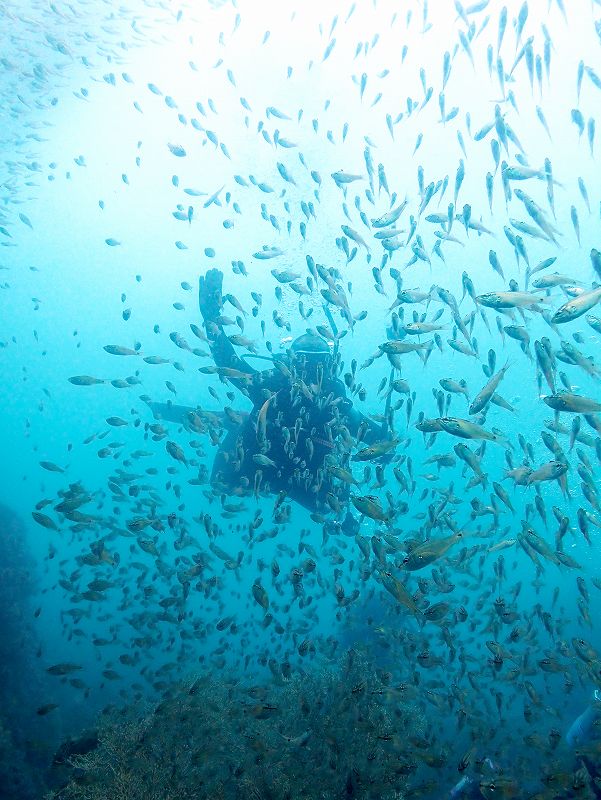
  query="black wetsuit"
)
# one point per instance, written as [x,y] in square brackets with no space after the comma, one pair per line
[301,426]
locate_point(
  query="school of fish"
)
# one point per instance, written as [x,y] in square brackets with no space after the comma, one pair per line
[445,240]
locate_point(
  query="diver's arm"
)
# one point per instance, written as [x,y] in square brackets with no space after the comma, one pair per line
[354,419]
[210,304]
[224,355]
[169,411]
[259,384]
[373,431]
[184,415]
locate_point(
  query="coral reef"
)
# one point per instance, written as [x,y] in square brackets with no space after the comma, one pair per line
[337,732]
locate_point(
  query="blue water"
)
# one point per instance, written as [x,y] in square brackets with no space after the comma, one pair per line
[119,125]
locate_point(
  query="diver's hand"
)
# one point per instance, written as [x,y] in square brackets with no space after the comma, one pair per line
[209,294]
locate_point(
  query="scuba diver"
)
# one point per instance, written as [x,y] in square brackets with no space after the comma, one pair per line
[584,773]
[583,737]
[469,787]
[298,433]
[582,730]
